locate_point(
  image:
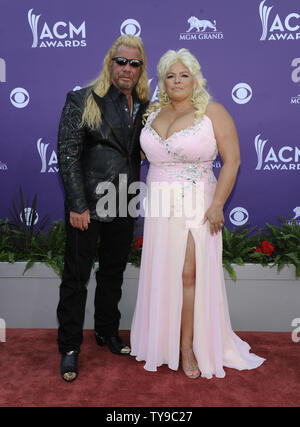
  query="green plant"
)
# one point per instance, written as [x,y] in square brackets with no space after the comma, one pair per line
[238,245]
[22,240]
[24,216]
[47,247]
[286,241]
[273,245]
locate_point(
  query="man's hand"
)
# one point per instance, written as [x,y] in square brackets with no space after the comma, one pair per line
[80,221]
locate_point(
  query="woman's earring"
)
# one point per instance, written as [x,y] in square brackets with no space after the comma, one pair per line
[165,98]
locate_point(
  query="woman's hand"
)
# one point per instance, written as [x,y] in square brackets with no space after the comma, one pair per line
[214,215]
[228,147]
[80,221]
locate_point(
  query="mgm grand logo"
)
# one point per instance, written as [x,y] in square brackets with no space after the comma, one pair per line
[201,29]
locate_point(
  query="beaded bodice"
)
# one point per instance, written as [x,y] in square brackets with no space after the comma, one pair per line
[185,156]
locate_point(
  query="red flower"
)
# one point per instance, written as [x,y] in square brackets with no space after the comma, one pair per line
[265,248]
[138,243]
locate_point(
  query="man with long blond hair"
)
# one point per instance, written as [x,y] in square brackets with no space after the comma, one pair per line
[99,154]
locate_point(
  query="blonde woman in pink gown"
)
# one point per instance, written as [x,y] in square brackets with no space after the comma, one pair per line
[181,309]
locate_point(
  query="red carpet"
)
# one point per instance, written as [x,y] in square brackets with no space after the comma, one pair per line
[29,363]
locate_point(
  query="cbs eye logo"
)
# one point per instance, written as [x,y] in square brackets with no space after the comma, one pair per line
[130,26]
[19,97]
[31,216]
[241,93]
[239,216]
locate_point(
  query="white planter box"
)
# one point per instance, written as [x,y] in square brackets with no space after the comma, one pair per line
[263,300]
[260,299]
[30,300]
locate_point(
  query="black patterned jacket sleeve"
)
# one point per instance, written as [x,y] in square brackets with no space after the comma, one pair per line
[70,147]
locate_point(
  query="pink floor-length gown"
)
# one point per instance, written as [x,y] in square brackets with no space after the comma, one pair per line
[184,157]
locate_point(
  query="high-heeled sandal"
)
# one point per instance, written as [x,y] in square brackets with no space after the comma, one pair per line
[191,371]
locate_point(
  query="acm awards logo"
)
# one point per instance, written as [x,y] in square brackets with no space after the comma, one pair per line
[296,79]
[154,97]
[285,158]
[280,27]
[61,34]
[48,164]
[201,29]
[3,166]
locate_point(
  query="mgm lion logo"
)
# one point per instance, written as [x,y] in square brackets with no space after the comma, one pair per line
[296,212]
[198,24]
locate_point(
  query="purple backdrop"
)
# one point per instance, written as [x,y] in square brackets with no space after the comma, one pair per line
[249,53]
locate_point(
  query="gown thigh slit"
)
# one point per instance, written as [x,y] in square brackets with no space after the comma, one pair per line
[185,157]
[188,306]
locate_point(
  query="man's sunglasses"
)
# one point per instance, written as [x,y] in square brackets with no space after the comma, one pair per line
[123,61]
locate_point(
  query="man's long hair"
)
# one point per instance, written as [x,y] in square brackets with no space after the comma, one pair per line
[91,114]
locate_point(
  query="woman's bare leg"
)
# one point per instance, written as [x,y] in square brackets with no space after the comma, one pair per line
[187,315]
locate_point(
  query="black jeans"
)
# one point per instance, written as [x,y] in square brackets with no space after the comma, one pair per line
[81,247]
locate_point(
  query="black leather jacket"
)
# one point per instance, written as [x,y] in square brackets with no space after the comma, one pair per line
[88,157]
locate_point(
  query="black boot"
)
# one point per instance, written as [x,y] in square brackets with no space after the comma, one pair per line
[115,344]
[69,366]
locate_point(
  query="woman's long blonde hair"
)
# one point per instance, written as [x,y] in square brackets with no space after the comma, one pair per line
[200,98]
[91,114]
